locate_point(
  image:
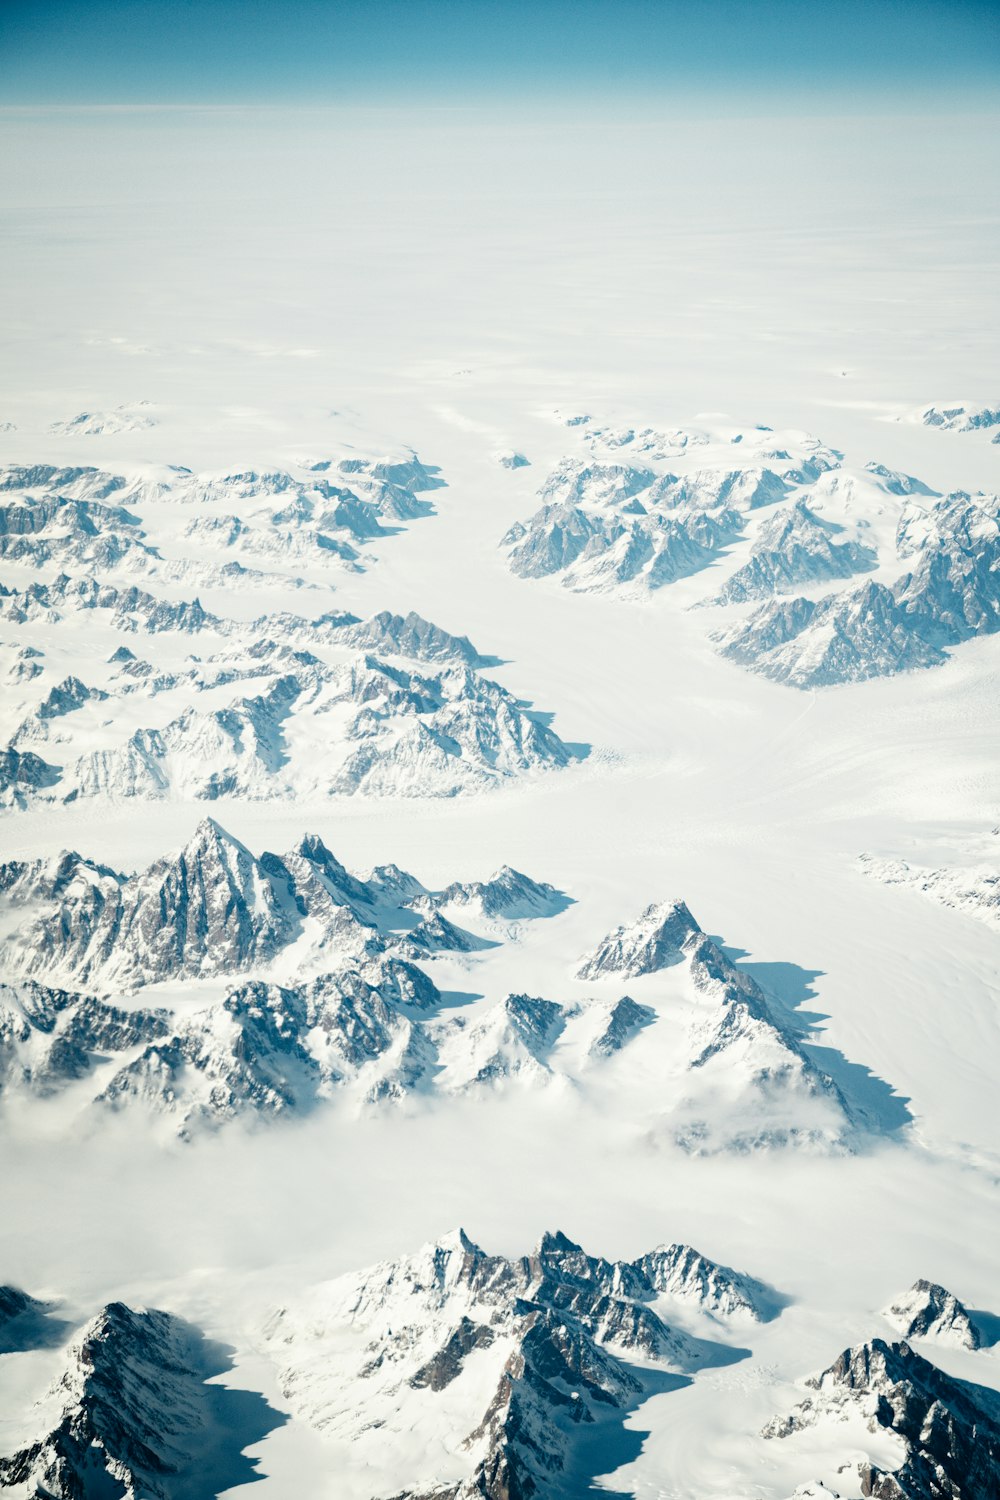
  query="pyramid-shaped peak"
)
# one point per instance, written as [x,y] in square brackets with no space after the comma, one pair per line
[457,1239]
[209,833]
[554,1242]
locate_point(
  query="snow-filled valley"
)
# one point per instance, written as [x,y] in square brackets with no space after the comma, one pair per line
[500,825]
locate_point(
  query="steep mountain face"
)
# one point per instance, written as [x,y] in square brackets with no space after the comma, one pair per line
[679,1271]
[653,942]
[505,1363]
[508,896]
[595,551]
[760,1088]
[949,1430]
[743,1078]
[795,546]
[130,609]
[387,727]
[842,638]
[621,1020]
[975,891]
[412,636]
[137,1418]
[513,1039]
[50,1038]
[929,1311]
[24,776]
[951,594]
[953,591]
[211,908]
[736,1072]
[269,1050]
[610,524]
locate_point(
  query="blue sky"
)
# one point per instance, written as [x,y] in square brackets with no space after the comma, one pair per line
[321,51]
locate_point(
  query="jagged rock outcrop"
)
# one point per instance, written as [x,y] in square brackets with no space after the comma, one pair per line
[608,524]
[562,1339]
[743,1078]
[929,1311]
[210,908]
[842,638]
[960,416]
[949,1429]
[619,1025]
[51,1038]
[399,730]
[269,1050]
[951,594]
[27,664]
[24,775]
[131,608]
[762,1089]
[795,546]
[412,636]
[607,548]
[138,1417]
[653,942]
[508,896]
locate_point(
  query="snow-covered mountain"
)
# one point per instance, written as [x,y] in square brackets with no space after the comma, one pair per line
[946,1432]
[795,546]
[209,908]
[133,1416]
[387,724]
[957,416]
[607,523]
[51,1039]
[743,1073]
[268,1050]
[975,890]
[929,1311]
[133,417]
[365,1022]
[505,1366]
[654,941]
[950,594]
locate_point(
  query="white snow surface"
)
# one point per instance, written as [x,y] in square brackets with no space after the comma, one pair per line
[336,297]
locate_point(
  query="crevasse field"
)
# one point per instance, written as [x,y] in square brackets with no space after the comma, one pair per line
[761,349]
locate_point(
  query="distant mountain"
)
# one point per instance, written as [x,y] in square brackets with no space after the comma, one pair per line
[795,546]
[606,523]
[975,891]
[398,730]
[316,517]
[951,594]
[959,416]
[135,417]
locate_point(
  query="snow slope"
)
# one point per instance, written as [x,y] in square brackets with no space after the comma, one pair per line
[229,1086]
